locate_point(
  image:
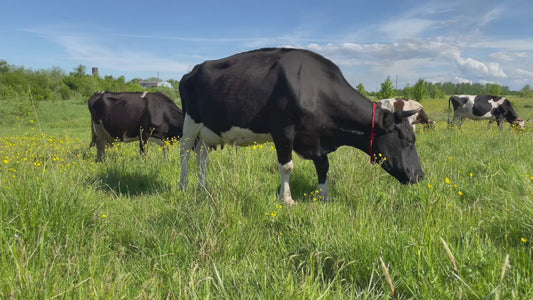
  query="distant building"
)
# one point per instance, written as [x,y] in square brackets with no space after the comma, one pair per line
[149,84]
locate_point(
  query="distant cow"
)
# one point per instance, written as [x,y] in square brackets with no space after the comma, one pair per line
[132,116]
[480,107]
[400,104]
[298,99]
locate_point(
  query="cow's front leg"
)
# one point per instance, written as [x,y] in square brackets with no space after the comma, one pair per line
[322,167]
[500,123]
[143,140]
[285,171]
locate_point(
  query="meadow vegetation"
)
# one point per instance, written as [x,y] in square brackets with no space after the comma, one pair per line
[74,228]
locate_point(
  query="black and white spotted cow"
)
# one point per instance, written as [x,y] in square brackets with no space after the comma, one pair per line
[399,104]
[483,107]
[133,116]
[300,101]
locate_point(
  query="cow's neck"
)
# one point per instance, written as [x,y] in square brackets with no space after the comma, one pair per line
[355,128]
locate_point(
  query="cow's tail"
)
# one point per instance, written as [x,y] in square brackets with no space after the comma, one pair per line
[93,135]
[449,102]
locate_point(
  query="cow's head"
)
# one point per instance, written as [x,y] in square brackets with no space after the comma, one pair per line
[394,146]
[520,123]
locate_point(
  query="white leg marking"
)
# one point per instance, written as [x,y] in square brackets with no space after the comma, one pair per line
[100,140]
[323,189]
[285,190]
[190,133]
[202,158]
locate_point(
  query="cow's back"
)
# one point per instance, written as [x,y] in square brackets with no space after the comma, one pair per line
[244,89]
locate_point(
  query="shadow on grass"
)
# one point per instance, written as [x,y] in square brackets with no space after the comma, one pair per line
[131,182]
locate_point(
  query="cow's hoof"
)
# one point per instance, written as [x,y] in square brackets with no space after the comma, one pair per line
[289,202]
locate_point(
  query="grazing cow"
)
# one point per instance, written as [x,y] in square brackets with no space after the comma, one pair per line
[300,101]
[400,104]
[480,107]
[131,116]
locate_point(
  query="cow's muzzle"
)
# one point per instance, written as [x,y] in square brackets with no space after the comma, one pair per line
[415,177]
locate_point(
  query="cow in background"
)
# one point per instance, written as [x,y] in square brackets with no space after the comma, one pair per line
[300,101]
[483,107]
[133,116]
[400,104]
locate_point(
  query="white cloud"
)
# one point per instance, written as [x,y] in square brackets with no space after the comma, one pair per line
[461,80]
[104,52]
[406,28]
[524,73]
[476,68]
[491,15]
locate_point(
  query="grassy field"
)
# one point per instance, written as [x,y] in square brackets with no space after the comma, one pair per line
[73,228]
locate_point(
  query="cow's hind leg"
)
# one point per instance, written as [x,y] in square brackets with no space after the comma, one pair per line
[190,134]
[202,158]
[322,167]
[100,140]
[461,121]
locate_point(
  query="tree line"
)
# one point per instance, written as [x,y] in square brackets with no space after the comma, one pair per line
[22,89]
[424,89]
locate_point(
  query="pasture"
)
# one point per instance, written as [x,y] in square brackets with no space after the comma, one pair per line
[74,228]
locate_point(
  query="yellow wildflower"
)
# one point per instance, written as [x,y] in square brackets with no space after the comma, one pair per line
[447,180]
[523,240]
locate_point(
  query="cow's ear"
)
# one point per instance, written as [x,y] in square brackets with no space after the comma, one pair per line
[385,120]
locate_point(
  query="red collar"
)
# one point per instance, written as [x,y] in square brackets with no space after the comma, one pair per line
[373,135]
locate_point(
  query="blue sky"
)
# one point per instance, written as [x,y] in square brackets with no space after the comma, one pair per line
[458,41]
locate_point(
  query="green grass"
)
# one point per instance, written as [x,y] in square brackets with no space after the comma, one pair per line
[73,228]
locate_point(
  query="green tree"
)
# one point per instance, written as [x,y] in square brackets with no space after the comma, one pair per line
[79,71]
[387,89]
[420,90]
[407,91]
[525,92]
[361,88]
[175,83]
[4,67]
[435,92]
[493,89]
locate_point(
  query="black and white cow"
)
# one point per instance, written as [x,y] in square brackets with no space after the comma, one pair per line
[399,104]
[481,107]
[132,116]
[300,101]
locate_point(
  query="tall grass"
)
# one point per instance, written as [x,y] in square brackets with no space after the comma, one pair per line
[73,228]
